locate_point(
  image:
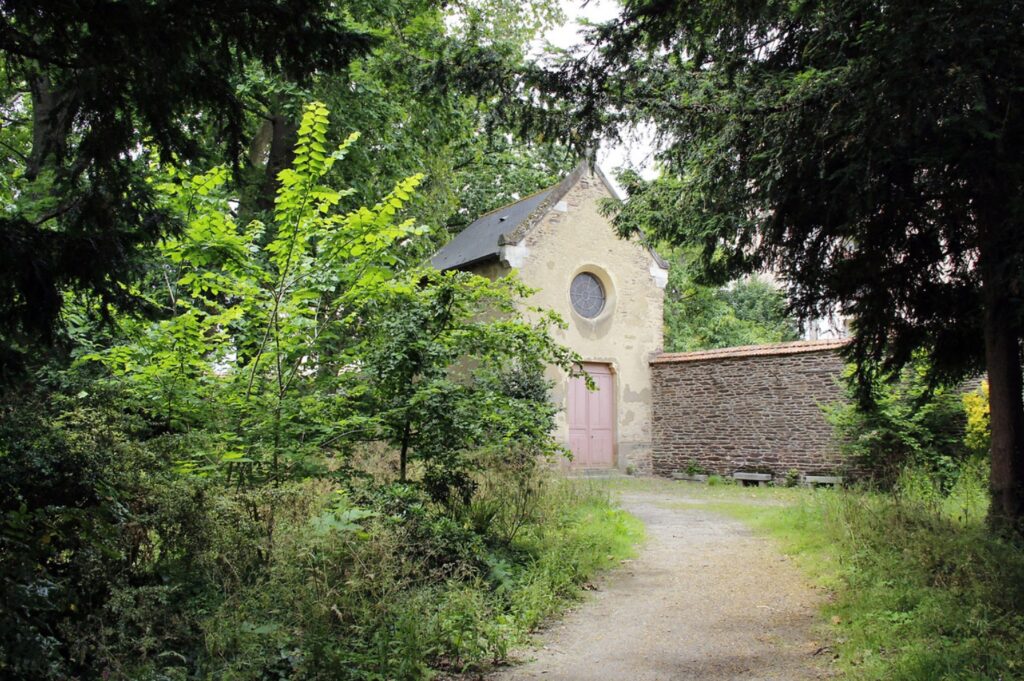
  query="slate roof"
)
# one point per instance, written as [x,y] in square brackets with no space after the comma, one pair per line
[483,238]
[768,350]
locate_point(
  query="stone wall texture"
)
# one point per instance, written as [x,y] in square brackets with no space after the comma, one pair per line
[750,409]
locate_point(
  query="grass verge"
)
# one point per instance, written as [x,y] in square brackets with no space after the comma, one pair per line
[414,592]
[920,589]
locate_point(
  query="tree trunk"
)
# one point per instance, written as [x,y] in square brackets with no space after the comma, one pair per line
[284,133]
[403,455]
[259,147]
[1002,359]
[52,116]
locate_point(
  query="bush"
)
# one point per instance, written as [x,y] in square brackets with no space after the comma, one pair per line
[921,590]
[117,564]
[412,585]
[907,423]
[106,554]
[978,429]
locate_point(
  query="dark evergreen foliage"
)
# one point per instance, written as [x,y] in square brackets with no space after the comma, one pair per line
[868,152]
[98,81]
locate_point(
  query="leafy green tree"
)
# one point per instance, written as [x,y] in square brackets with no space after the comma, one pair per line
[86,86]
[703,308]
[499,172]
[426,99]
[909,423]
[443,365]
[417,78]
[747,311]
[257,328]
[866,151]
[289,348]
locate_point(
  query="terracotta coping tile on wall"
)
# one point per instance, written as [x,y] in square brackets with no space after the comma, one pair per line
[771,349]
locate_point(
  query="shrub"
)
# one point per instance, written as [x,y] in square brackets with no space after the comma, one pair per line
[694,468]
[118,563]
[907,423]
[412,586]
[105,552]
[978,429]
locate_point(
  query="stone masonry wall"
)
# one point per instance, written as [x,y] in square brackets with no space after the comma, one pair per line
[754,409]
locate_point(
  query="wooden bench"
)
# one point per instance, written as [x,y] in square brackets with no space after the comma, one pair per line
[815,480]
[758,479]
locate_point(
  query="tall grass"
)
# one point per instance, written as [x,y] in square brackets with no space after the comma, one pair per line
[922,590]
[416,589]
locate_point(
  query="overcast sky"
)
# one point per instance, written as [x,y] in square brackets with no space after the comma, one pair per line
[635,153]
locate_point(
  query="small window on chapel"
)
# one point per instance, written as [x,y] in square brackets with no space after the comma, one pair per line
[587,295]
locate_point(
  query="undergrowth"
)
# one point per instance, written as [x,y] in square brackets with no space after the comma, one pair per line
[113,565]
[405,589]
[921,588]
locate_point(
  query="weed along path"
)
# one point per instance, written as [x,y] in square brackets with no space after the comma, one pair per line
[704,599]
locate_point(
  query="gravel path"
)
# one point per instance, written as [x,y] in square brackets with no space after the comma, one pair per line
[705,599]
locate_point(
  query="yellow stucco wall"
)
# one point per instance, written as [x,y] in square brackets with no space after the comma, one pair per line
[573,237]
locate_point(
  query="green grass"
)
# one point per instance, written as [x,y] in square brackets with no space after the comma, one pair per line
[919,588]
[408,599]
[584,533]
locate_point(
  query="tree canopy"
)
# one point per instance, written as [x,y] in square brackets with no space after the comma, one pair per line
[82,93]
[703,308]
[748,311]
[85,100]
[867,152]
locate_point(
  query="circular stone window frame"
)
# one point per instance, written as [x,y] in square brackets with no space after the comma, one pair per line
[610,297]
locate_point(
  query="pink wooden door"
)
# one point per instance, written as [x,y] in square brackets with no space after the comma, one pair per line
[592,419]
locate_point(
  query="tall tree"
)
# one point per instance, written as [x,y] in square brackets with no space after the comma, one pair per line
[87,84]
[703,309]
[748,311]
[426,99]
[867,151]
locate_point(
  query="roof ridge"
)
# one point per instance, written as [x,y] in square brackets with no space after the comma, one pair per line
[558,192]
[487,235]
[512,203]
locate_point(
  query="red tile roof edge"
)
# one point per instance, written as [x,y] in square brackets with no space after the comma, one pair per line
[769,350]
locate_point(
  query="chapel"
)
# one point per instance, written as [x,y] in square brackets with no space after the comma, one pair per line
[609,290]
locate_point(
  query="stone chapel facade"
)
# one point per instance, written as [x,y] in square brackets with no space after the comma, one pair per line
[610,291]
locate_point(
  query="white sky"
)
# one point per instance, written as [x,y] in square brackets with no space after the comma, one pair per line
[637,150]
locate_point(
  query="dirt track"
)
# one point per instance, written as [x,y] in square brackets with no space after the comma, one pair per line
[705,599]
